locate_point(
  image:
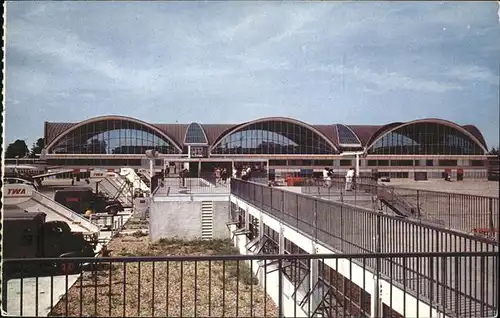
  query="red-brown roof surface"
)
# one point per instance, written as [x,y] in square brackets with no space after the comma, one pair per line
[365,133]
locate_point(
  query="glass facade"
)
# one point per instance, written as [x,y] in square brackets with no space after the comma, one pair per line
[426,139]
[195,135]
[346,136]
[273,137]
[113,137]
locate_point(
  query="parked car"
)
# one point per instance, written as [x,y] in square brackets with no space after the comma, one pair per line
[81,199]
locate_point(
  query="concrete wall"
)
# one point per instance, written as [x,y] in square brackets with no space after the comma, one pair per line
[221,217]
[172,217]
[175,219]
[386,290]
[290,307]
[141,206]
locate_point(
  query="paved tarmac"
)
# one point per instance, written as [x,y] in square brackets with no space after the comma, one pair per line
[474,187]
[463,213]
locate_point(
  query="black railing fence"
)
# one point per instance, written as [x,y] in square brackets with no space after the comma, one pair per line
[462,212]
[351,229]
[226,286]
[175,185]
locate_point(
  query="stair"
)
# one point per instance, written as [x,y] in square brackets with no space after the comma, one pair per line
[207,220]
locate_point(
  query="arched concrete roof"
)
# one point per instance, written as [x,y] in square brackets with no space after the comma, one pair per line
[267,119]
[111,117]
[394,126]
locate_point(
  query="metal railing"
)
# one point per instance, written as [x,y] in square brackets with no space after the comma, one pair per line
[176,186]
[464,212]
[351,229]
[247,285]
[472,214]
[23,161]
[113,223]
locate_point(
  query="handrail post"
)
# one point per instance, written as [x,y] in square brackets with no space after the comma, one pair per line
[490,208]
[315,221]
[376,274]
[342,237]
[418,204]
[282,205]
[270,199]
[449,211]
[262,196]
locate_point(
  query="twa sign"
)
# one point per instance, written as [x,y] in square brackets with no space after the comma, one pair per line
[16,191]
[97,174]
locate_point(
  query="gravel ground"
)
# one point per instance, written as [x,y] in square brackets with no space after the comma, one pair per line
[207,289]
[136,223]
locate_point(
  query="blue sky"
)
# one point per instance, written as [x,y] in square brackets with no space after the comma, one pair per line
[229,62]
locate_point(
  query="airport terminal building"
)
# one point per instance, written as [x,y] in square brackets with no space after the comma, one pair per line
[424,147]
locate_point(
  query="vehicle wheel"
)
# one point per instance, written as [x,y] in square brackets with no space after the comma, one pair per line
[68,268]
[113,212]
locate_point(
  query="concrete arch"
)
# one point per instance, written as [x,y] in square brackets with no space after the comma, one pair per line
[203,130]
[266,119]
[111,117]
[395,126]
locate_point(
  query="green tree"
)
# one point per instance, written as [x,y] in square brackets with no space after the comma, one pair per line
[494,151]
[17,149]
[37,147]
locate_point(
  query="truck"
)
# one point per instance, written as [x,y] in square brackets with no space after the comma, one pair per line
[81,199]
[28,235]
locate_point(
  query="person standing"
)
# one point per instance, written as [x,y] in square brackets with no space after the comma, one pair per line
[244,175]
[348,179]
[327,178]
[249,172]
[182,174]
[217,174]
[224,175]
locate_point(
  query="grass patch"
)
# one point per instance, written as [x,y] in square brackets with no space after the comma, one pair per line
[205,288]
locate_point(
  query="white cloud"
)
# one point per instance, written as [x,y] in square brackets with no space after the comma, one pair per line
[473,73]
[177,60]
[386,81]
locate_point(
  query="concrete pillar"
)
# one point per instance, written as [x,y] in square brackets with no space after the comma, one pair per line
[357,165]
[280,280]
[267,169]
[151,173]
[282,239]
[261,226]
[376,303]
[199,168]
[247,219]
[315,297]
[186,165]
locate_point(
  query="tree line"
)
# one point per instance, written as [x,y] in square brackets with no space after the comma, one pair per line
[19,149]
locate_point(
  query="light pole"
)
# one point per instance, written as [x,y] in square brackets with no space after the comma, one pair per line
[151,155]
